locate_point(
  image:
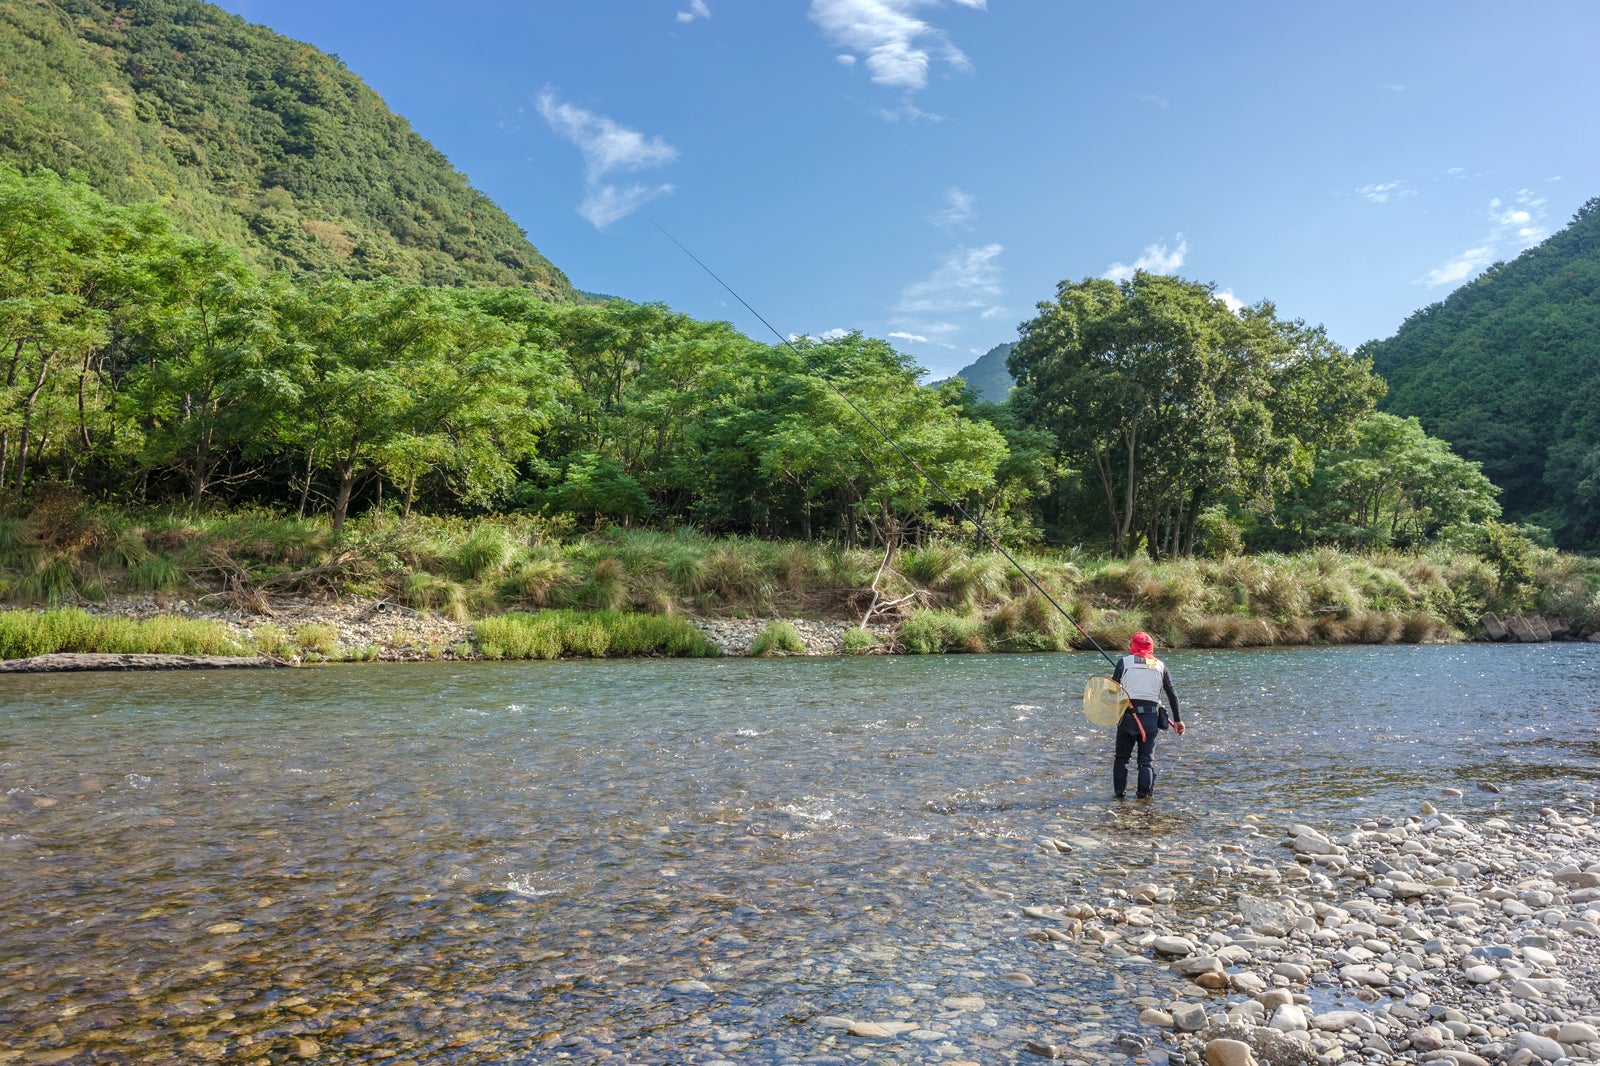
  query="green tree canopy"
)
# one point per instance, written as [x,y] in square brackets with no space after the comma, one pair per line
[1173,404]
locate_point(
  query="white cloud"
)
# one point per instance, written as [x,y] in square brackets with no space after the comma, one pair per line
[967,280]
[1157,259]
[1152,99]
[911,338]
[605,204]
[957,212]
[697,10]
[1512,228]
[897,47]
[607,147]
[1466,265]
[1230,301]
[1382,191]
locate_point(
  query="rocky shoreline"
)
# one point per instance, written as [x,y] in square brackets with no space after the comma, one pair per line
[1423,939]
[380,631]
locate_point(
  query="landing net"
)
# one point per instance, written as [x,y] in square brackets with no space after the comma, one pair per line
[1104,701]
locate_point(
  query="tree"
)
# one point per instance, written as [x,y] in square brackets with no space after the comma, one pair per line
[1162,393]
[390,380]
[821,445]
[199,344]
[1392,485]
[67,258]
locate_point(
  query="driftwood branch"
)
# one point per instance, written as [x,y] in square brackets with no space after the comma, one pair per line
[243,591]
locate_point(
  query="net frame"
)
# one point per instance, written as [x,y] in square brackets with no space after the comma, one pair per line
[1104,700]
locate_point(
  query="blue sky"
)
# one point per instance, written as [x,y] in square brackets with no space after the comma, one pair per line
[928,170]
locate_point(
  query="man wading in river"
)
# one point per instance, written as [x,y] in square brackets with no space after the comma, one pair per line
[1145,678]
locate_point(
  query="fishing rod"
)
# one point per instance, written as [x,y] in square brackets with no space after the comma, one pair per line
[869,420]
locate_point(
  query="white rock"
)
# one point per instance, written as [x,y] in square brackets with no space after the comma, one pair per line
[1578,1033]
[1542,1046]
[1289,1018]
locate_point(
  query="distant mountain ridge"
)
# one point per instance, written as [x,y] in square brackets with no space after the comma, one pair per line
[247,137]
[989,376]
[1507,369]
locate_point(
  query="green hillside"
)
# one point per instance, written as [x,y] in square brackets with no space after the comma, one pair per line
[1507,370]
[989,376]
[246,136]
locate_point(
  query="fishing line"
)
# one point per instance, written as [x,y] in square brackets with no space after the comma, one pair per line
[869,420]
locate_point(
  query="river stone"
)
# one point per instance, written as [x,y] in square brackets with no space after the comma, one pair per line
[1541,1046]
[1247,982]
[1196,965]
[1578,1033]
[1225,1052]
[1173,945]
[1293,971]
[1427,1038]
[1339,1020]
[1158,1018]
[1482,974]
[1267,917]
[1189,1017]
[963,1003]
[1455,1056]
[1289,1018]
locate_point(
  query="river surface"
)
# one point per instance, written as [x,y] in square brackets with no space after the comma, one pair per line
[670,861]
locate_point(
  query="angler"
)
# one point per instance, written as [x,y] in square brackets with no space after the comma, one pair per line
[1145,679]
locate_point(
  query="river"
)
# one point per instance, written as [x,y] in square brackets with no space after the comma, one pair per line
[682,861]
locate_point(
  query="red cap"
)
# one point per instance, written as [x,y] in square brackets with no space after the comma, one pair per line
[1141,644]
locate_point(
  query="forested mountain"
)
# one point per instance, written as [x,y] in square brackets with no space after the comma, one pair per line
[989,376]
[1507,370]
[248,137]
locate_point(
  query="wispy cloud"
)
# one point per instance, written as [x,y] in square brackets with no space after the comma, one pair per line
[897,47]
[1157,259]
[607,148]
[697,10]
[1512,227]
[1381,192]
[1152,99]
[967,280]
[958,211]
[912,338]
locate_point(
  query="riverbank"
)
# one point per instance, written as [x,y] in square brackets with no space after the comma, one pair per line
[1424,938]
[293,631]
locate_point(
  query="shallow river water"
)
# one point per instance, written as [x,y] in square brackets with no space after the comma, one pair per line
[670,861]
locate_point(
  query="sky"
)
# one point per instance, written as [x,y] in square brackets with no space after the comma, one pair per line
[928,171]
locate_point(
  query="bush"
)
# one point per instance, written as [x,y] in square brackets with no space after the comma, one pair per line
[552,634]
[931,632]
[24,634]
[859,641]
[778,638]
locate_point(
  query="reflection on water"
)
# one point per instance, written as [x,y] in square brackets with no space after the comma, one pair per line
[680,861]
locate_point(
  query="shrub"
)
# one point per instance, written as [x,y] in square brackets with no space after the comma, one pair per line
[430,592]
[552,634]
[488,550]
[317,639]
[859,641]
[24,634]
[778,638]
[931,632]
